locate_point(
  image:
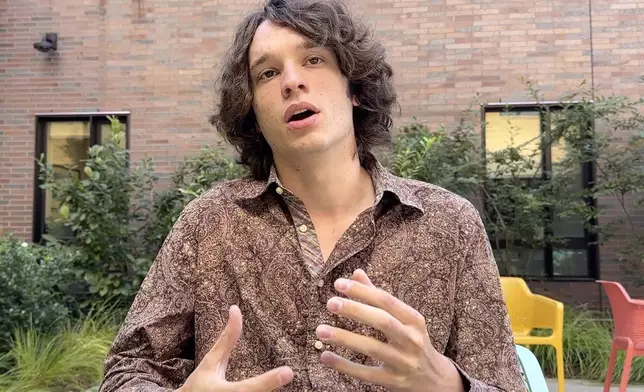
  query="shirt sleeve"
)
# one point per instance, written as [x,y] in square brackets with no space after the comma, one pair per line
[481,344]
[154,349]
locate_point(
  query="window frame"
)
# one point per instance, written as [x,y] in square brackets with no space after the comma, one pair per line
[95,119]
[588,176]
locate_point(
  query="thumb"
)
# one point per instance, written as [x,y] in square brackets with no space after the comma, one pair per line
[217,358]
[360,276]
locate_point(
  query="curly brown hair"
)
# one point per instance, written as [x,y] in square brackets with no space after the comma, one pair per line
[361,60]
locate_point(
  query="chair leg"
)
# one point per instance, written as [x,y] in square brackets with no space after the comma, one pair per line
[627,368]
[611,367]
[560,369]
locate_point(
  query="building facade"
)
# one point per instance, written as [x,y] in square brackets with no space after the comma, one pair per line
[153,63]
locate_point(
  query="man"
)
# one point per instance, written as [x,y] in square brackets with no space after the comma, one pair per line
[348,278]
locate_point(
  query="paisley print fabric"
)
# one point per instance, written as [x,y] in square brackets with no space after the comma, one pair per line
[242,243]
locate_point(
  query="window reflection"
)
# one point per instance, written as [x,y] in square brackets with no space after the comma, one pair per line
[67,144]
[515,129]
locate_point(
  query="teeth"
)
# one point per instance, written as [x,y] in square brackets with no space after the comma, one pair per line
[300,111]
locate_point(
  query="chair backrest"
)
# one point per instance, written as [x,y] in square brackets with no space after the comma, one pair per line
[628,316]
[533,376]
[518,299]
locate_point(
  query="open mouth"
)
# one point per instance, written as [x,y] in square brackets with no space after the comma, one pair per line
[301,115]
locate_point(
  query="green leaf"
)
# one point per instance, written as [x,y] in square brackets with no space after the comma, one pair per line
[64,211]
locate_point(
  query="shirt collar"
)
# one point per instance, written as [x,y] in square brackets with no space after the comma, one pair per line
[384,182]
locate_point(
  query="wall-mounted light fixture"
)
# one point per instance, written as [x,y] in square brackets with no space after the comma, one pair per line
[48,43]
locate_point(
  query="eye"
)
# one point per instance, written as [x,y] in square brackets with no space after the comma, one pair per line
[315,60]
[269,73]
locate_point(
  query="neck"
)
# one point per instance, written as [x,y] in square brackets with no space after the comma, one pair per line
[329,184]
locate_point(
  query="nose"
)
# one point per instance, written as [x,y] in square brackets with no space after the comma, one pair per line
[292,80]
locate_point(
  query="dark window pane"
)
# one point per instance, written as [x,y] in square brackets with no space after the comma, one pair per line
[570,262]
[67,145]
[520,261]
[569,226]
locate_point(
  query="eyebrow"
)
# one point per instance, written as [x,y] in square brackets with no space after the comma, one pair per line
[267,56]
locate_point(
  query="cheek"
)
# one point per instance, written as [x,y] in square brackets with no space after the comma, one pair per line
[262,106]
[267,111]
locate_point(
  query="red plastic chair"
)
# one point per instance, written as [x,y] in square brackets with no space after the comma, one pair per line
[628,334]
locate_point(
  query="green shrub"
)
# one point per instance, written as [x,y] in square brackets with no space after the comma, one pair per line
[70,360]
[523,205]
[104,208]
[196,174]
[117,220]
[441,157]
[587,344]
[34,282]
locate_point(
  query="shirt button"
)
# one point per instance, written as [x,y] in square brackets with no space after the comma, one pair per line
[319,345]
[320,283]
[303,229]
[279,190]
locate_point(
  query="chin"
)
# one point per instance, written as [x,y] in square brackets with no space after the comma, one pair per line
[318,142]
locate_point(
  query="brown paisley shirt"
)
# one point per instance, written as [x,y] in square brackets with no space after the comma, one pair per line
[252,243]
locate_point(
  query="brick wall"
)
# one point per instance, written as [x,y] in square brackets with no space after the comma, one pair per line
[158,59]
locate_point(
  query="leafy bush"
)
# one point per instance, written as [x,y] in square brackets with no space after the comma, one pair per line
[34,281]
[194,175]
[117,219]
[587,343]
[69,360]
[104,207]
[441,157]
[519,202]
[515,208]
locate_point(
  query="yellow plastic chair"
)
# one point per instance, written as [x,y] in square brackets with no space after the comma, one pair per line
[529,311]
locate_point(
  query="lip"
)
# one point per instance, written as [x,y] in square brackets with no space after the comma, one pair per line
[298,106]
[305,123]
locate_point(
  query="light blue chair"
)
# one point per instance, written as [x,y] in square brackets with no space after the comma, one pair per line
[531,371]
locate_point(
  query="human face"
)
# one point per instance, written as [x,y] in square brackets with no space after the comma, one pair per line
[288,74]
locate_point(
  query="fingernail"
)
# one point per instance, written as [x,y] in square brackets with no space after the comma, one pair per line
[323,332]
[342,284]
[334,304]
[326,358]
[285,374]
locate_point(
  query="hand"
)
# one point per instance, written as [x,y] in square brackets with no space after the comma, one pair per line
[410,362]
[210,375]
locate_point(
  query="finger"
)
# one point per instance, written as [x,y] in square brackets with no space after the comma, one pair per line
[360,276]
[376,375]
[217,358]
[380,299]
[368,346]
[268,381]
[373,317]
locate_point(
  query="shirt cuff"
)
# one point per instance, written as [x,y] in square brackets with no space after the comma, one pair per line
[471,384]
[467,381]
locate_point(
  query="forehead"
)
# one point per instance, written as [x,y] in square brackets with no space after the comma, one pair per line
[273,39]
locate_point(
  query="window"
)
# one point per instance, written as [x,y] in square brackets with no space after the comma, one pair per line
[573,254]
[64,139]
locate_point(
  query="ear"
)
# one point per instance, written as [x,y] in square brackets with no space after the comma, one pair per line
[354,101]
